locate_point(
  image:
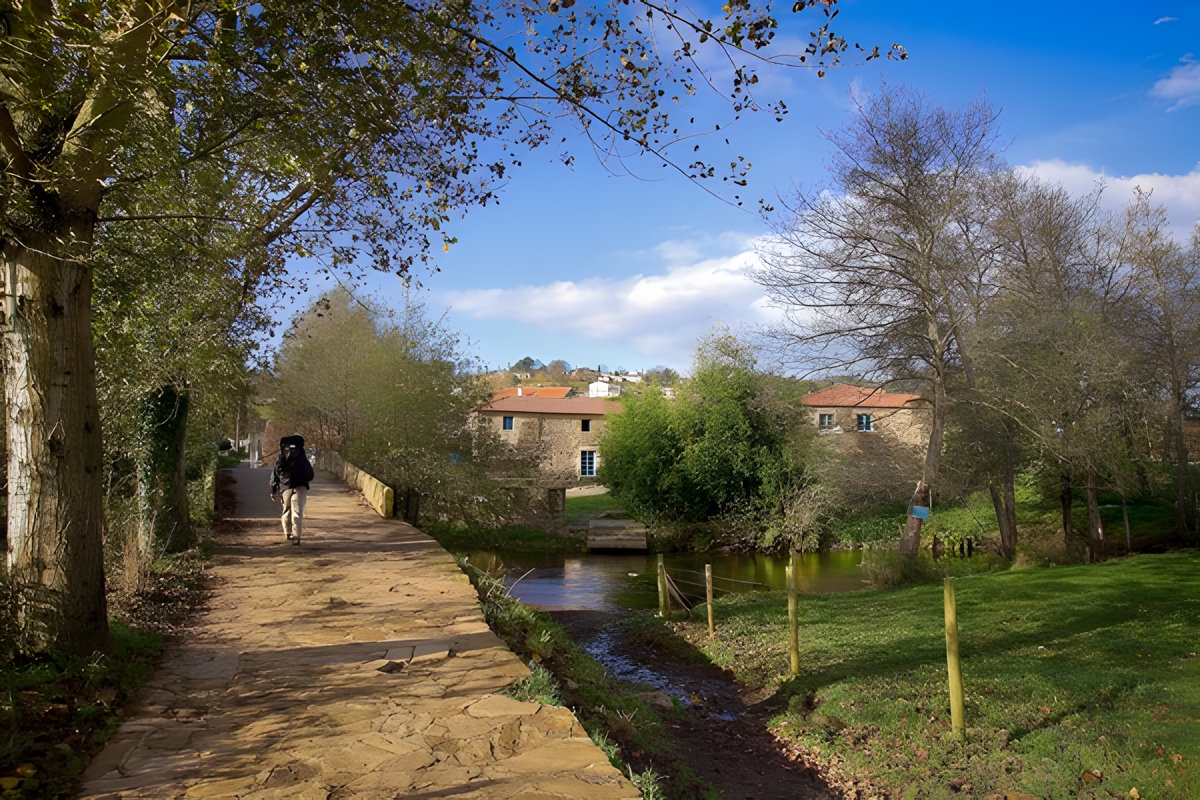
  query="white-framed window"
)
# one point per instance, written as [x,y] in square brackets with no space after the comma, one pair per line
[864,422]
[587,463]
[585,425]
[507,423]
[826,422]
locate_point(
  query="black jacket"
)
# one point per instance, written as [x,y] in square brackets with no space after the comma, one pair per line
[292,470]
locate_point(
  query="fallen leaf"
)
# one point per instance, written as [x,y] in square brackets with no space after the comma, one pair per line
[1177,758]
[1092,776]
[26,770]
[1044,709]
[9,782]
[1133,794]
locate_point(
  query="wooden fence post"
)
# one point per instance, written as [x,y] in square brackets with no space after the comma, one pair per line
[953,666]
[793,616]
[664,599]
[708,593]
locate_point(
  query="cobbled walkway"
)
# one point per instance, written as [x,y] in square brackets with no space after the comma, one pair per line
[357,665]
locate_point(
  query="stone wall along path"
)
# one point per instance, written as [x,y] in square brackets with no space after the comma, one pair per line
[357,665]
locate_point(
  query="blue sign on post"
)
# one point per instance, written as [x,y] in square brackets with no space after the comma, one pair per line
[921,512]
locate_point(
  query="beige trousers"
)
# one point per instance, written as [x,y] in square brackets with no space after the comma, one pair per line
[293,512]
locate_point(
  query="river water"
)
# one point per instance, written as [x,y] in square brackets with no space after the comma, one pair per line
[615,581]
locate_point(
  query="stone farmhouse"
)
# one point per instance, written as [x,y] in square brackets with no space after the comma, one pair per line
[846,409]
[881,438]
[564,431]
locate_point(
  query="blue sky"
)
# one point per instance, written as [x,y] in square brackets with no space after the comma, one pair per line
[595,269]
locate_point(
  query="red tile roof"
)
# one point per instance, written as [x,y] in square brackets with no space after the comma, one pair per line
[533,391]
[843,395]
[573,406]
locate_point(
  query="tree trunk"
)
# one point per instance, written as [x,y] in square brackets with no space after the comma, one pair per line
[1065,499]
[910,538]
[163,522]
[1125,519]
[1004,503]
[1002,488]
[1181,475]
[1095,524]
[55,482]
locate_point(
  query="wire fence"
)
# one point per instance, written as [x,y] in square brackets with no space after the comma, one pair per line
[721,584]
[669,592]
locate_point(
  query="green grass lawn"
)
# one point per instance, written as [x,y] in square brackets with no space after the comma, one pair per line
[579,509]
[1080,681]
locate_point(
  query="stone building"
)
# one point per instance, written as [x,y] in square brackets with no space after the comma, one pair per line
[563,432]
[877,441]
[846,409]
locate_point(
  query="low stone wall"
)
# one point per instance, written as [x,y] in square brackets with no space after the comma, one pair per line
[378,495]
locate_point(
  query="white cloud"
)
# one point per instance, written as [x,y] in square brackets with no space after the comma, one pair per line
[1181,84]
[1180,194]
[1162,20]
[659,313]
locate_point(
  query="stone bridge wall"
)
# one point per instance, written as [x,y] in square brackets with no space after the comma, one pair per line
[380,496]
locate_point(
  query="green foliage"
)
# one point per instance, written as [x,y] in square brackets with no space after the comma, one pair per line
[729,448]
[641,449]
[59,709]
[538,687]
[227,461]
[647,782]
[395,394]
[1066,670]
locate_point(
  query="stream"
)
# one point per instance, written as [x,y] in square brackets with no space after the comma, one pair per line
[596,585]
[724,732]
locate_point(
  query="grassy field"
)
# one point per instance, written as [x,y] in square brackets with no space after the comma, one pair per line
[1080,681]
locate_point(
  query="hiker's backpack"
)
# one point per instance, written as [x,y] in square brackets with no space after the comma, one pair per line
[300,471]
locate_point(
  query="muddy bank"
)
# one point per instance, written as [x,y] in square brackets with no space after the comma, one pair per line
[720,730]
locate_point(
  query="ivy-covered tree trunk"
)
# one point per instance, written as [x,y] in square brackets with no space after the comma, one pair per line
[164,523]
[55,487]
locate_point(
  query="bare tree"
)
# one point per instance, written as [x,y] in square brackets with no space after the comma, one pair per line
[1052,348]
[1165,322]
[870,270]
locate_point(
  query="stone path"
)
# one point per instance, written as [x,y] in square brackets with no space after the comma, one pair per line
[357,665]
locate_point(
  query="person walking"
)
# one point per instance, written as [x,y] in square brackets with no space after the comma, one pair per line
[293,473]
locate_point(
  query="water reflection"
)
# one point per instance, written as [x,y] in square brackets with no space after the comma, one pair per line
[612,581]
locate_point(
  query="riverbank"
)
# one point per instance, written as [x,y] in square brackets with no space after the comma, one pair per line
[1081,681]
[681,728]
